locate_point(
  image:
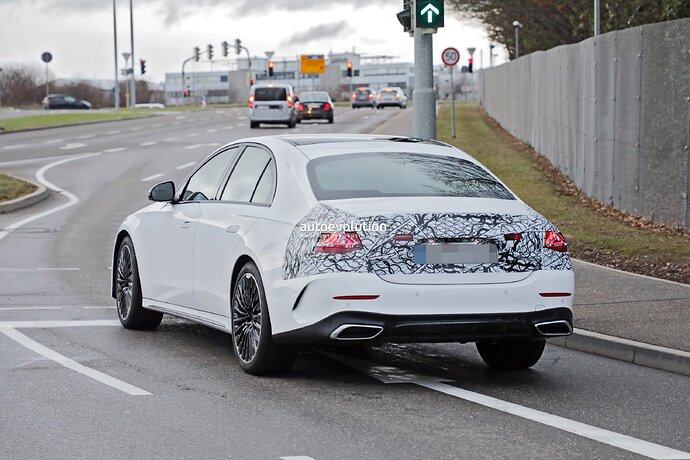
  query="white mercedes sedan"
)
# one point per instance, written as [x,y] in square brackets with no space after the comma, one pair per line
[294,240]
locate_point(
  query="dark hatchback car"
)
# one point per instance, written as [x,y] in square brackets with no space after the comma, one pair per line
[363,97]
[314,105]
[62,101]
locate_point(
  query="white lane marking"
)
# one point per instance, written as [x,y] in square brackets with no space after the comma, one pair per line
[146,144]
[53,141]
[186,165]
[296,457]
[12,147]
[175,123]
[150,178]
[40,177]
[181,117]
[49,324]
[73,365]
[226,128]
[117,131]
[193,134]
[212,130]
[116,149]
[58,269]
[99,308]
[241,117]
[171,139]
[137,128]
[72,146]
[28,308]
[86,136]
[196,146]
[157,125]
[389,374]
[30,160]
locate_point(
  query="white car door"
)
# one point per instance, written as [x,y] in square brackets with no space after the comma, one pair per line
[245,197]
[170,278]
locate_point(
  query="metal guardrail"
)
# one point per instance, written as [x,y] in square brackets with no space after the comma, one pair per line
[612,112]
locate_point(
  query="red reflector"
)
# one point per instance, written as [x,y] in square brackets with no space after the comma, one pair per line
[338,243]
[555,241]
[555,294]
[327,106]
[403,237]
[356,297]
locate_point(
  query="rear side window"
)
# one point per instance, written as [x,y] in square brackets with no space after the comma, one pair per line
[249,181]
[270,94]
[371,175]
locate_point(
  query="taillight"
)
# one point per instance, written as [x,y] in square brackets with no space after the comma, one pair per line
[251,102]
[338,243]
[354,96]
[289,101]
[327,106]
[299,106]
[371,96]
[555,241]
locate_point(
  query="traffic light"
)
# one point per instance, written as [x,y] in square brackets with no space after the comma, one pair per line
[226,47]
[469,66]
[270,68]
[185,93]
[209,51]
[238,46]
[142,63]
[349,69]
[197,53]
[405,16]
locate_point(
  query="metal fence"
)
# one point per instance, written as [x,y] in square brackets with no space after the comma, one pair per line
[612,112]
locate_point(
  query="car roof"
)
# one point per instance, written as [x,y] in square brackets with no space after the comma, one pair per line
[320,145]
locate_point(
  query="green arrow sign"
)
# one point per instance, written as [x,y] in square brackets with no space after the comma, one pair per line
[429,14]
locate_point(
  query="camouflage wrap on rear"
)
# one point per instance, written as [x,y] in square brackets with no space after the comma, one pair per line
[383,256]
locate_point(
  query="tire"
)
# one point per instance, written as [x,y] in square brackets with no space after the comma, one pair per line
[128,296]
[330,120]
[254,347]
[299,120]
[291,124]
[511,355]
[253,124]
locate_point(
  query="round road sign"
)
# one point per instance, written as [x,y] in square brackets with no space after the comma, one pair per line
[450,56]
[47,57]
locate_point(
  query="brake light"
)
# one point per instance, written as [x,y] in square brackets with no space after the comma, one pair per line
[354,96]
[289,101]
[251,102]
[299,106]
[371,96]
[555,241]
[327,106]
[338,243]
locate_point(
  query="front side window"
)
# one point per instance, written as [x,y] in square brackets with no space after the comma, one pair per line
[203,184]
[245,181]
[371,175]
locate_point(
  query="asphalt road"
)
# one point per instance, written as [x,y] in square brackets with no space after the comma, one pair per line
[75,388]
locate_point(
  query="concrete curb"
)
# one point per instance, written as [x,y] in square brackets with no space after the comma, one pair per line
[626,350]
[32,198]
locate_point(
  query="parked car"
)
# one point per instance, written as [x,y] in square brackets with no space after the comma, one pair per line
[363,97]
[63,101]
[284,241]
[391,97]
[314,105]
[271,103]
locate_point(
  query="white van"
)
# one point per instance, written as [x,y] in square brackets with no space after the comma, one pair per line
[272,103]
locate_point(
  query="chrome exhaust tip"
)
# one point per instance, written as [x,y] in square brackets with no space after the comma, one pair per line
[356,332]
[554,328]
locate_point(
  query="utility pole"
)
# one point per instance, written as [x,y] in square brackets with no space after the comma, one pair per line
[517,25]
[133,83]
[0,86]
[597,17]
[116,90]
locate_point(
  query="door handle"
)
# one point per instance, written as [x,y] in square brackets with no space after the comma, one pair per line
[233,229]
[186,224]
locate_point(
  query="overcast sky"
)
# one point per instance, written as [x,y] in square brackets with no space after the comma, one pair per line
[79,33]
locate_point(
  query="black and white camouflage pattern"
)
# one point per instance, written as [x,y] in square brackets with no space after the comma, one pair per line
[383,256]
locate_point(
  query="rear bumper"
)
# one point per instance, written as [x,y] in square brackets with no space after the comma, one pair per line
[315,115]
[427,328]
[363,104]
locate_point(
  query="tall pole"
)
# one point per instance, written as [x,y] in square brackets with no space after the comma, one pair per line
[47,91]
[116,90]
[0,87]
[517,42]
[452,100]
[424,95]
[597,17]
[133,84]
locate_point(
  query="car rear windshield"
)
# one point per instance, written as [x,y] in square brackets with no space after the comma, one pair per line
[371,175]
[364,91]
[270,94]
[315,97]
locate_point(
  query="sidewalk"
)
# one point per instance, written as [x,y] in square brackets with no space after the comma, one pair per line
[611,302]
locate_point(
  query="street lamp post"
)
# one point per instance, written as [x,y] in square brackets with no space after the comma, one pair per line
[116,90]
[126,55]
[0,86]
[597,17]
[132,82]
[517,25]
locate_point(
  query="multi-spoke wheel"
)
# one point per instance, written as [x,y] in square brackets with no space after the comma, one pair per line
[128,291]
[251,327]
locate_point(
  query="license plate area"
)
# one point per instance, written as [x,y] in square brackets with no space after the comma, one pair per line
[467,253]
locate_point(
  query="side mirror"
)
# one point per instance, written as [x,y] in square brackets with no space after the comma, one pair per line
[165,191]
